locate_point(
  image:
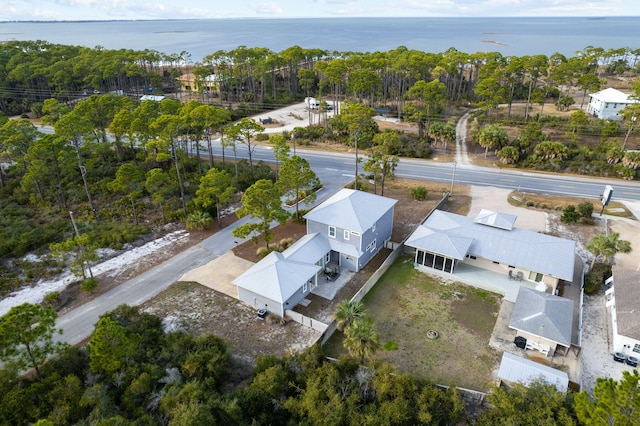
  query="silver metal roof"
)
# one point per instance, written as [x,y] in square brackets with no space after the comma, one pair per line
[351,210]
[516,369]
[543,314]
[276,277]
[517,247]
[497,220]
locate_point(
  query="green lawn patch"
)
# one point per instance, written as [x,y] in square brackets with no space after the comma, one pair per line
[406,303]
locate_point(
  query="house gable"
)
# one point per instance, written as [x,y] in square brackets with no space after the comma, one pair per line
[351,210]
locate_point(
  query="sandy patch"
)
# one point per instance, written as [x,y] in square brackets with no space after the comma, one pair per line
[495,199]
[220,273]
[629,230]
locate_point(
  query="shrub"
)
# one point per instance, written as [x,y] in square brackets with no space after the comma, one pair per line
[301,220]
[570,215]
[52,298]
[585,209]
[89,285]
[419,193]
[594,279]
[262,252]
[262,137]
[199,220]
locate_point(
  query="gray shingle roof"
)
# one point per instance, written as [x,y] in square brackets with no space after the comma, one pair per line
[516,369]
[517,247]
[352,210]
[544,315]
[626,283]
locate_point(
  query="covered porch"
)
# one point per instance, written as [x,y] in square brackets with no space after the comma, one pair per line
[482,278]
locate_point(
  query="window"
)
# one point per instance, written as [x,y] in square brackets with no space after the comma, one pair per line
[636,348]
[371,246]
[332,231]
[373,228]
[304,287]
[327,258]
[346,234]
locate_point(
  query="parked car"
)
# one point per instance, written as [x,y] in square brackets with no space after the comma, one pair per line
[632,361]
[619,357]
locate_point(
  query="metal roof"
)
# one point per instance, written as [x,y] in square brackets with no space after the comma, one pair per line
[351,210]
[517,247]
[497,220]
[543,314]
[446,245]
[516,369]
[308,249]
[625,286]
[612,95]
[276,277]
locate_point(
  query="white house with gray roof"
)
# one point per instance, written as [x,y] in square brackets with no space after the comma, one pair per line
[607,103]
[491,241]
[356,224]
[545,320]
[623,298]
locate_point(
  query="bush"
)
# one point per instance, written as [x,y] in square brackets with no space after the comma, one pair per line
[419,193]
[586,210]
[89,285]
[570,215]
[261,137]
[262,252]
[595,278]
[301,220]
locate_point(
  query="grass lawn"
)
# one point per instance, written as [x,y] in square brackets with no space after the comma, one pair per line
[406,303]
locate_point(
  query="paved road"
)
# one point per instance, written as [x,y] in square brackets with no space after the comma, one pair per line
[332,164]
[335,170]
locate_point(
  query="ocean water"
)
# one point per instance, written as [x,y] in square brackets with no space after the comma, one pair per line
[509,36]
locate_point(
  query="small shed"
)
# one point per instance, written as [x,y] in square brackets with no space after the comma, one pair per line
[515,369]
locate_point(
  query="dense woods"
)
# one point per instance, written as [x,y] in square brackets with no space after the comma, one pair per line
[133,372]
[117,169]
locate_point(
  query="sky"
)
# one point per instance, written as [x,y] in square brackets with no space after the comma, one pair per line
[70,10]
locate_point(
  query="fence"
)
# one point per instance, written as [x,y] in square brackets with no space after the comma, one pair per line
[306,321]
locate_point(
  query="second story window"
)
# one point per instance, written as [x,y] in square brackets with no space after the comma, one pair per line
[346,234]
[332,231]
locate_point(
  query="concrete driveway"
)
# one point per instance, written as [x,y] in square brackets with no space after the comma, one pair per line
[220,273]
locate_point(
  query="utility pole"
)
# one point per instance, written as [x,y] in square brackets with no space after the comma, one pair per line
[453,178]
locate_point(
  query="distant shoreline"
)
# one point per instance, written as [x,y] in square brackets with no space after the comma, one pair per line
[494,42]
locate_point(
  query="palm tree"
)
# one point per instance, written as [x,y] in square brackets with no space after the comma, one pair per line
[348,312]
[607,246]
[361,338]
